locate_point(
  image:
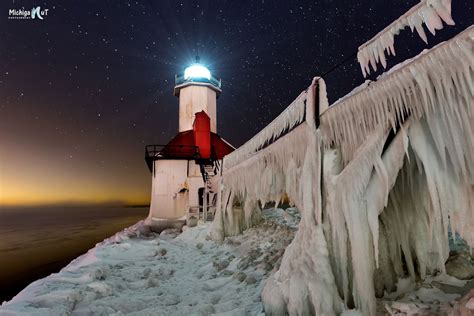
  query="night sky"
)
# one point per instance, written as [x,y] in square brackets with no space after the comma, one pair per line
[84,90]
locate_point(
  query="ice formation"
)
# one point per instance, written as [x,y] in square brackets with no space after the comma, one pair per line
[389,170]
[289,118]
[443,75]
[288,165]
[430,12]
[279,165]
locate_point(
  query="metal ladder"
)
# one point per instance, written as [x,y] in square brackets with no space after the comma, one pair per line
[208,170]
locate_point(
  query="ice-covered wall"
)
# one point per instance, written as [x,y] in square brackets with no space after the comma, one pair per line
[375,206]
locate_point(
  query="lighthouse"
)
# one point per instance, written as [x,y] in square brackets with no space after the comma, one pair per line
[182,169]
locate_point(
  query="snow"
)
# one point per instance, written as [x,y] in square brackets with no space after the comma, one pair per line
[430,12]
[427,297]
[285,217]
[137,272]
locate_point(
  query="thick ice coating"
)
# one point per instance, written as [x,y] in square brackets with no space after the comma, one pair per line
[379,184]
[432,13]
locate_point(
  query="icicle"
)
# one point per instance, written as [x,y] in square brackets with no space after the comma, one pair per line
[289,150]
[430,12]
[415,80]
[289,118]
[323,99]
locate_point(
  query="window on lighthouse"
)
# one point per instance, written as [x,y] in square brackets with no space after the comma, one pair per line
[197,71]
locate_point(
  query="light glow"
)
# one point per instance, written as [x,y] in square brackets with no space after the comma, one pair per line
[197,71]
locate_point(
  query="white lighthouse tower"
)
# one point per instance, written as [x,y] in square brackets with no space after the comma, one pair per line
[181,169]
[197,90]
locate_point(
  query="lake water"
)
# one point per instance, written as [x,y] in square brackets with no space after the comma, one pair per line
[35,242]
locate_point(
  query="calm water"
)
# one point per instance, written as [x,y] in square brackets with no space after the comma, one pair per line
[35,242]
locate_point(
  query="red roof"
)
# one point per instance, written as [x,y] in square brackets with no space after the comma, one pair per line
[183,146]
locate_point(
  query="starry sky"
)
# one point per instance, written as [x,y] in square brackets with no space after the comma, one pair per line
[85,89]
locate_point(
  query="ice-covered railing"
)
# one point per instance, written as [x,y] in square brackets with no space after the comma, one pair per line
[269,165]
[289,118]
[430,12]
[413,88]
[272,166]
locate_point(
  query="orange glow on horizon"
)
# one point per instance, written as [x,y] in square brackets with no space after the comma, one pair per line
[15,197]
[46,180]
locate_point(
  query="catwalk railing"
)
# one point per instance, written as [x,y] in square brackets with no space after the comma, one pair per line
[155,152]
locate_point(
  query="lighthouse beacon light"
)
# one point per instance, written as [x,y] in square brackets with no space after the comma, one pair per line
[197,71]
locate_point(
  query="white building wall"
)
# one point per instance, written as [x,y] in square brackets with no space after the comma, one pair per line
[193,99]
[194,169]
[168,178]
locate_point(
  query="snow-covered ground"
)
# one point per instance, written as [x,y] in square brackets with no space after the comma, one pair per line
[438,295]
[138,272]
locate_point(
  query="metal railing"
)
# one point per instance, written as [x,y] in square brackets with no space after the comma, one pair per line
[179,80]
[155,152]
[171,151]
